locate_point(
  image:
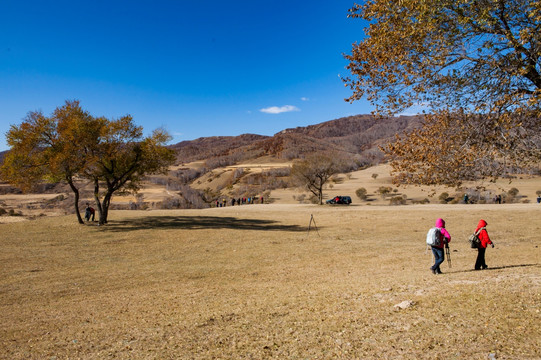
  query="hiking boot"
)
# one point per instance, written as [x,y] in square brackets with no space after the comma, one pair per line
[485,267]
[438,271]
[433,271]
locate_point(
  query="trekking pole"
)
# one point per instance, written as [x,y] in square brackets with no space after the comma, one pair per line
[448,253]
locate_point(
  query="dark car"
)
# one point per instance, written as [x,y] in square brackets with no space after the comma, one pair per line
[345,200]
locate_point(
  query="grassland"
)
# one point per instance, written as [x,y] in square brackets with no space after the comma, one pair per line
[252,282]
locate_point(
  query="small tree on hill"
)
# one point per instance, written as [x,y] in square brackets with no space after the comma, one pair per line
[361,193]
[384,191]
[314,172]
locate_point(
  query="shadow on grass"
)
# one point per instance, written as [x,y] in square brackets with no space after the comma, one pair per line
[199,222]
[497,268]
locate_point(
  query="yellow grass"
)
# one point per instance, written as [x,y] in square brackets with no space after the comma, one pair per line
[346,184]
[27,205]
[251,282]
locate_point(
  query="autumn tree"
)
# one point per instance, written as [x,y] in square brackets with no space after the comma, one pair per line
[313,173]
[49,148]
[475,65]
[123,158]
[73,146]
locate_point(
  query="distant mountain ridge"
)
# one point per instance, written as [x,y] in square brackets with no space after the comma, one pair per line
[354,135]
[214,146]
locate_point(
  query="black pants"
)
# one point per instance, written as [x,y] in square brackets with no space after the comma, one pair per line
[480,262]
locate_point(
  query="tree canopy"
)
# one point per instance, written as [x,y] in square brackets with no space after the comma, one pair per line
[474,65]
[73,145]
[123,158]
[313,173]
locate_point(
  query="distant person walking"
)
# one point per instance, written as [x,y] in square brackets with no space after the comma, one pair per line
[438,250]
[485,241]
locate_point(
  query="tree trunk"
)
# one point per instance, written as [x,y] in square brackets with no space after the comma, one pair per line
[320,184]
[97,199]
[105,207]
[76,201]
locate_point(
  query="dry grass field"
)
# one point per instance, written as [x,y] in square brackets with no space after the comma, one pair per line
[343,184]
[252,282]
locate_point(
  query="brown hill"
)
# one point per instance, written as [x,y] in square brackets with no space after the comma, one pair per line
[215,146]
[360,134]
[355,135]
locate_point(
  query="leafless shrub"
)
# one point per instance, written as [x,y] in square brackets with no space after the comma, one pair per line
[384,191]
[444,198]
[361,193]
[398,200]
[186,175]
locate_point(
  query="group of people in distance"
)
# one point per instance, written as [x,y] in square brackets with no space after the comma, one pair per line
[241,201]
[439,253]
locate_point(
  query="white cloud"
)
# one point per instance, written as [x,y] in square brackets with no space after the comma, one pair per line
[281,109]
[305,99]
[416,109]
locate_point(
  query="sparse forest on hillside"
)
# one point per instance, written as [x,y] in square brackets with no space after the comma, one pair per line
[355,135]
[355,139]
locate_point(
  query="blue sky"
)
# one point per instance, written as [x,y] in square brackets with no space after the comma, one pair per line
[195,68]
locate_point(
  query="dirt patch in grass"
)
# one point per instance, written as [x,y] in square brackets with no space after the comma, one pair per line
[252,282]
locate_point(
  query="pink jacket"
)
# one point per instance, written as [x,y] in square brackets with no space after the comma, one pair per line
[440,223]
[483,234]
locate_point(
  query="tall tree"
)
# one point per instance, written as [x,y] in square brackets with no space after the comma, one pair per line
[476,64]
[77,132]
[71,144]
[46,148]
[313,173]
[123,158]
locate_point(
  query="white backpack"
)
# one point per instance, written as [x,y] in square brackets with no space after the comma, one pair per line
[433,237]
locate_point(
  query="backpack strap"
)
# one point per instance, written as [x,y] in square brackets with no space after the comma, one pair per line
[479,231]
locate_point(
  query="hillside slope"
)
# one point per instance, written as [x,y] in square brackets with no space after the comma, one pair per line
[354,135]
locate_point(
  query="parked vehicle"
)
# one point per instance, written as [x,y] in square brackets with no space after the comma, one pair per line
[344,200]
